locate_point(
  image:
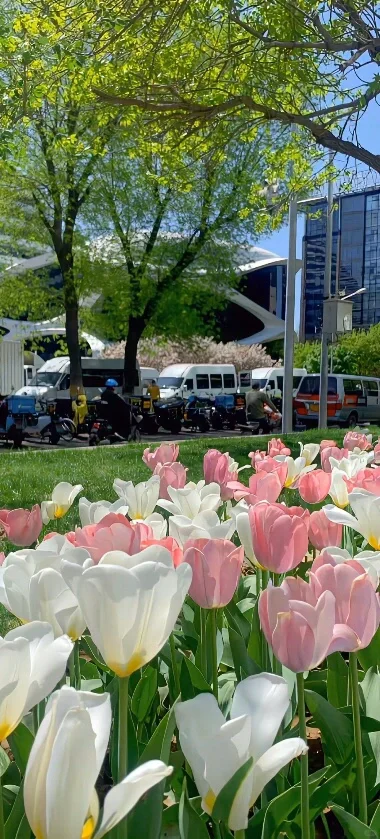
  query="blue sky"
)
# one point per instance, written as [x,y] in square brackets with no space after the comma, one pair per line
[368,132]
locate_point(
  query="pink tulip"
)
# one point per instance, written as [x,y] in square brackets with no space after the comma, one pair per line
[113,533]
[171,475]
[219,468]
[256,457]
[2,557]
[263,486]
[276,446]
[22,527]
[298,628]
[327,444]
[216,565]
[165,453]
[170,544]
[332,451]
[376,452]
[357,606]
[279,535]
[269,464]
[314,486]
[356,440]
[369,479]
[324,533]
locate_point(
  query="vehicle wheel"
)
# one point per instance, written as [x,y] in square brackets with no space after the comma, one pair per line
[93,440]
[352,420]
[175,427]
[68,430]
[203,425]
[50,434]
[216,422]
[232,423]
[17,439]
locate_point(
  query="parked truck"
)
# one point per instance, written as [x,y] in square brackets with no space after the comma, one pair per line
[11,367]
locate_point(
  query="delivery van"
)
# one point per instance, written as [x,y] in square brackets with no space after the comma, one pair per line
[270,379]
[199,379]
[52,380]
[350,399]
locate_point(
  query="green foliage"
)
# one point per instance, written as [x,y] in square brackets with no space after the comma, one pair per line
[357,353]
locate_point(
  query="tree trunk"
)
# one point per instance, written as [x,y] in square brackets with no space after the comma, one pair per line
[136,326]
[72,324]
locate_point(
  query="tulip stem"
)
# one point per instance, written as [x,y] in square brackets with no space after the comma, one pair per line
[265,579]
[258,581]
[305,818]
[72,668]
[360,776]
[173,654]
[214,653]
[239,834]
[123,729]
[203,617]
[2,828]
[78,677]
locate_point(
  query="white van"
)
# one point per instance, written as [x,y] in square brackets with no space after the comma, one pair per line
[200,379]
[53,378]
[270,379]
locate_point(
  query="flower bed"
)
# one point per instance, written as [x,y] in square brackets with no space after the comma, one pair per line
[196,658]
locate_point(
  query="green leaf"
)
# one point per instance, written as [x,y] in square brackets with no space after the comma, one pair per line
[24,831]
[370,656]
[370,688]
[243,664]
[21,742]
[4,762]
[15,817]
[337,680]
[192,680]
[320,797]
[336,730]
[353,828]
[237,621]
[255,647]
[159,744]
[224,801]
[88,646]
[280,808]
[375,822]
[144,693]
[191,825]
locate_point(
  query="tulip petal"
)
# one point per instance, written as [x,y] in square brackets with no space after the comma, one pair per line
[122,798]
[48,659]
[254,697]
[272,761]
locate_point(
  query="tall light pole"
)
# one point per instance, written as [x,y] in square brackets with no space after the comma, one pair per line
[287,393]
[324,368]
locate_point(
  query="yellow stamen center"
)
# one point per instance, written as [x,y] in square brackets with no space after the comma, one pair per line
[6,729]
[88,830]
[138,516]
[59,512]
[374,541]
[134,663]
[209,800]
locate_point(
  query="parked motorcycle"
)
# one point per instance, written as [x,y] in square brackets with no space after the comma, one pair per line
[198,413]
[170,414]
[228,410]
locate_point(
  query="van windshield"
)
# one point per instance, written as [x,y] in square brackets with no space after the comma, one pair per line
[45,378]
[260,382]
[170,381]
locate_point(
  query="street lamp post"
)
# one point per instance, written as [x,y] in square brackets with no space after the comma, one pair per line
[324,367]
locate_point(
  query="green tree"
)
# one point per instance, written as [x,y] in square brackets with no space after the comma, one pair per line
[176,220]
[301,64]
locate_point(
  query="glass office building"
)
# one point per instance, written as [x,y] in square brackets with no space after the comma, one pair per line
[355,262]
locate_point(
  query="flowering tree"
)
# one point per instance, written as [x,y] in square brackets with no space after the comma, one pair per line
[153,352]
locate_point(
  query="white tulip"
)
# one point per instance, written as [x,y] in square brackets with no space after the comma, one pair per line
[366,518]
[296,468]
[192,499]
[370,560]
[92,512]
[339,488]
[131,607]
[216,749]
[32,588]
[62,497]
[243,528]
[140,499]
[32,662]
[204,526]
[64,762]
[158,524]
[351,465]
[309,451]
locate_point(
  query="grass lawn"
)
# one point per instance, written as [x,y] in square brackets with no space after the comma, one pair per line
[28,477]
